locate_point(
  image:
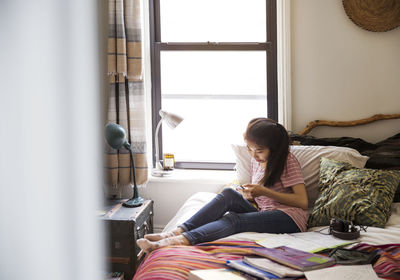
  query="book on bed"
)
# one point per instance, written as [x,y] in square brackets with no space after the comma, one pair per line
[218,273]
[252,270]
[275,268]
[294,258]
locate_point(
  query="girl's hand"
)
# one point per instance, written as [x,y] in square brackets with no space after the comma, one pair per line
[244,193]
[247,195]
[297,199]
[253,191]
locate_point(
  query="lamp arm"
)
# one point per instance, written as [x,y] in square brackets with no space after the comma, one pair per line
[158,164]
[135,188]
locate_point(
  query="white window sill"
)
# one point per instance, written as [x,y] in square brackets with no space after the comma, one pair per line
[190,175]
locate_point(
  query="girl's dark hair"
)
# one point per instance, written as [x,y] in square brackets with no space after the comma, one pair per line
[272,135]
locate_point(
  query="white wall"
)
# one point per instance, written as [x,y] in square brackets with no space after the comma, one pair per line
[341,71]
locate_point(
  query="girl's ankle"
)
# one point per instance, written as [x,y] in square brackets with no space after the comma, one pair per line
[177,231]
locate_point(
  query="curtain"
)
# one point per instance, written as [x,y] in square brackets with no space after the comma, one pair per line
[126,104]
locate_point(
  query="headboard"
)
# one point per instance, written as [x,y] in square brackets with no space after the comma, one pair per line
[383,155]
[371,119]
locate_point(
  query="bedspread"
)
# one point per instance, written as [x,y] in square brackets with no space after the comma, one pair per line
[175,262]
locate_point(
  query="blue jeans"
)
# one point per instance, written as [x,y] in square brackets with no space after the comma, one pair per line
[229,213]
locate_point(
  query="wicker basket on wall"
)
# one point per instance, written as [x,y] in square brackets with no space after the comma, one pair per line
[374,15]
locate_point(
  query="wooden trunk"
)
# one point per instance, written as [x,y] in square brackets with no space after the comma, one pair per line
[123,227]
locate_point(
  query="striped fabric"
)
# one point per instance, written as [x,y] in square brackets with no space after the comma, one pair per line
[388,264]
[126,102]
[125,39]
[175,262]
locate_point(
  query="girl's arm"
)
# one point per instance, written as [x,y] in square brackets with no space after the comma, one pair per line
[297,199]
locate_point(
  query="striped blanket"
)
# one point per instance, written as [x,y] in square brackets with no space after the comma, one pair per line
[175,262]
[388,264]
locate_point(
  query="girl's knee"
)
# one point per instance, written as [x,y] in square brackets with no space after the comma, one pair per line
[232,218]
[228,192]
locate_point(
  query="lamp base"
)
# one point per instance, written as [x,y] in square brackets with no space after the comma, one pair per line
[160,173]
[134,202]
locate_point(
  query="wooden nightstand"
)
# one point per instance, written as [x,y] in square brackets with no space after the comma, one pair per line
[123,227]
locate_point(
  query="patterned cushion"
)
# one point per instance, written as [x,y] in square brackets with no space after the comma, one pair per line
[360,195]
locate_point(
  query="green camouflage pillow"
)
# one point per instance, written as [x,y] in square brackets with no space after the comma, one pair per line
[363,196]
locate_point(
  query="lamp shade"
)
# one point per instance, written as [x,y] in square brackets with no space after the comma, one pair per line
[115,135]
[171,119]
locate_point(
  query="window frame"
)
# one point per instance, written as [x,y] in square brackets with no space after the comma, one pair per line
[156,46]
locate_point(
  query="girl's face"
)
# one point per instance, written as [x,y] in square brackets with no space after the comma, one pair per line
[259,153]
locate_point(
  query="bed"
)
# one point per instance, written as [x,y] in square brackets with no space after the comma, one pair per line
[376,203]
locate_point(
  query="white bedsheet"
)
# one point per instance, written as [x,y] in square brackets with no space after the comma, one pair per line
[189,208]
[373,235]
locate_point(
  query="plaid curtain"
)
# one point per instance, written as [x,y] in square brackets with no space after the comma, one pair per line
[126,104]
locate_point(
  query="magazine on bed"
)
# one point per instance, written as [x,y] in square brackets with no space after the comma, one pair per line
[294,258]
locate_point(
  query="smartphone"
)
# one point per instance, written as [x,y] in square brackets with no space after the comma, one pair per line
[238,187]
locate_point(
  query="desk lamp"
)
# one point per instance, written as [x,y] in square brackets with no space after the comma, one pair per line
[116,138]
[172,121]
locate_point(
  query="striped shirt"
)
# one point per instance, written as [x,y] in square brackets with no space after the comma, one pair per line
[290,177]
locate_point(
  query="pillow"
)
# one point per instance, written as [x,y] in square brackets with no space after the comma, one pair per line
[386,156]
[309,159]
[360,195]
[243,161]
[397,193]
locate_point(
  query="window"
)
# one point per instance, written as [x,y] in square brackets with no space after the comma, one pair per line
[213,63]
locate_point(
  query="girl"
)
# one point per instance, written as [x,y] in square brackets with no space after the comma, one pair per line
[277,186]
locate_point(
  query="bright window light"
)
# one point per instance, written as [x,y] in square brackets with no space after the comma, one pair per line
[213,20]
[217,93]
